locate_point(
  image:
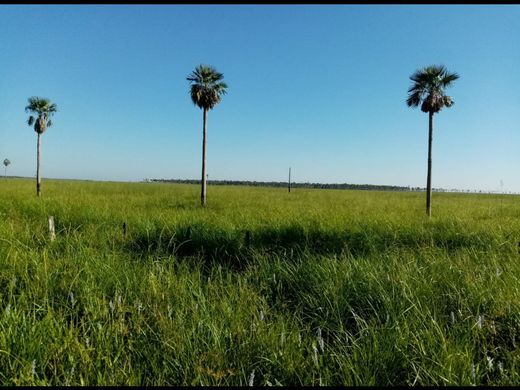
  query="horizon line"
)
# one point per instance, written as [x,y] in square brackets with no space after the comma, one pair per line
[283,183]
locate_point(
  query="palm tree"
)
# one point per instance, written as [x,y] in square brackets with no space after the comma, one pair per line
[427,90]
[44,109]
[206,92]
[6,163]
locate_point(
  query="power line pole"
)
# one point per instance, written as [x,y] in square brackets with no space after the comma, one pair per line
[289,188]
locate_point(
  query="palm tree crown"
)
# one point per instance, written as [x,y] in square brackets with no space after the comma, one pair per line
[428,88]
[207,86]
[44,110]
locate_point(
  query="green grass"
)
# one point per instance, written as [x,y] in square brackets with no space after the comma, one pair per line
[313,287]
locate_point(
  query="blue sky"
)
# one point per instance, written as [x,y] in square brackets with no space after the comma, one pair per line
[319,88]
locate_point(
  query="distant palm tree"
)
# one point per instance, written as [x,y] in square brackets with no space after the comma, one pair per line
[44,109]
[428,91]
[206,92]
[6,163]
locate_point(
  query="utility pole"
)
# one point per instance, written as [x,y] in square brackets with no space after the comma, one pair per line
[289,188]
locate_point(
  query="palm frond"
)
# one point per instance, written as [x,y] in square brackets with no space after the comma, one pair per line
[448,79]
[40,106]
[427,89]
[206,87]
[52,109]
[414,99]
[448,101]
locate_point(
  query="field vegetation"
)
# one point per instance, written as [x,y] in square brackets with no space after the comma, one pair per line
[261,287]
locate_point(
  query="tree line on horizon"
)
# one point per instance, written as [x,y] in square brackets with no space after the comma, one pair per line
[277,184]
[207,88]
[325,186]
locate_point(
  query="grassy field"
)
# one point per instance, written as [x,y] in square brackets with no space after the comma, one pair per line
[262,287]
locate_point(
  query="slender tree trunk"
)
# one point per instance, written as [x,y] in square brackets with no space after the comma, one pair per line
[203,189]
[38,179]
[429,179]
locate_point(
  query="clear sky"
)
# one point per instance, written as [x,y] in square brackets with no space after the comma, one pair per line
[319,88]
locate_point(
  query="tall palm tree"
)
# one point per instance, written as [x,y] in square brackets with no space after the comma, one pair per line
[427,90]
[43,110]
[6,163]
[206,91]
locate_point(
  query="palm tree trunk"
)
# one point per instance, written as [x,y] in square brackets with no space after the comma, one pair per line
[38,181]
[429,179]
[203,189]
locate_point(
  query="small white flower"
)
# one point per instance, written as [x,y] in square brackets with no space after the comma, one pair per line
[315,354]
[112,306]
[33,367]
[490,363]
[493,327]
[251,378]
[71,298]
[479,322]
[320,340]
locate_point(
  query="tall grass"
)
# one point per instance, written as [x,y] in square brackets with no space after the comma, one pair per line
[262,287]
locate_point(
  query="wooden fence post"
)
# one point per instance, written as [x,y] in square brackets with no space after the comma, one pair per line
[52,231]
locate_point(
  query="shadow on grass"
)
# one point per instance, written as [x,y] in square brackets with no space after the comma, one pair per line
[235,246]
